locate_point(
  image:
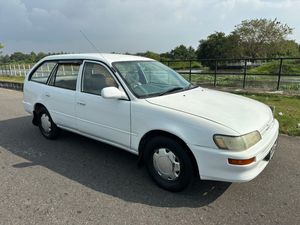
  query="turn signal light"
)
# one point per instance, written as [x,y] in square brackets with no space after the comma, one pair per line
[241,161]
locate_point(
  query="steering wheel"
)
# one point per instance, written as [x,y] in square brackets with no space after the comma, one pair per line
[138,87]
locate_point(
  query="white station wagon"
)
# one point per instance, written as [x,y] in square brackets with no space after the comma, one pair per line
[179,131]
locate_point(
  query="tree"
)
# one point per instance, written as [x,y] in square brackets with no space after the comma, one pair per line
[261,37]
[252,38]
[213,46]
[1,46]
[18,57]
[182,52]
[41,55]
[288,48]
[149,54]
[217,45]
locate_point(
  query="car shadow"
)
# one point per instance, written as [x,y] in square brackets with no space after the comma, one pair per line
[98,166]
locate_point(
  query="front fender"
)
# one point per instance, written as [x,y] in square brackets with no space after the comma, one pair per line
[193,130]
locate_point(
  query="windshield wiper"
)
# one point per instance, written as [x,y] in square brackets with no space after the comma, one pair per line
[190,86]
[171,90]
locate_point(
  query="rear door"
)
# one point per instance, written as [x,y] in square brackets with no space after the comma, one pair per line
[61,92]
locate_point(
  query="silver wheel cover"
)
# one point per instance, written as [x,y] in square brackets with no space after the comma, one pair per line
[166,164]
[45,122]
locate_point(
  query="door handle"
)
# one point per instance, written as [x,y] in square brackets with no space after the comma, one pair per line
[81,103]
[47,95]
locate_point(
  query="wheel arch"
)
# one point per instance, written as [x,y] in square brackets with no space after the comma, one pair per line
[36,108]
[154,133]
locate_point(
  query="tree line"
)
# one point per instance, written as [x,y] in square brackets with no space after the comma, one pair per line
[20,57]
[249,39]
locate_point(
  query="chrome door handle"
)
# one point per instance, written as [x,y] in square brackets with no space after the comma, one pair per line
[81,103]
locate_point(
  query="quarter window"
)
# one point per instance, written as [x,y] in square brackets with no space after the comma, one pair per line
[66,76]
[42,74]
[95,78]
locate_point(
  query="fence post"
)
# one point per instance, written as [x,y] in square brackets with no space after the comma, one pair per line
[279,74]
[190,74]
[245,74]
[19,70]
[216,68]
[15,69]
[24,70]
[10,72]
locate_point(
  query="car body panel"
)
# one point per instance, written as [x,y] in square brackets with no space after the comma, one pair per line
[230,110]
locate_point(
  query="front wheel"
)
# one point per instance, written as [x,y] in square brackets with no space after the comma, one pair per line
[47,127]
[168,163]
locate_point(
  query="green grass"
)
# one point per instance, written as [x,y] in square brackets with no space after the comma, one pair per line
[288,105]
[184,65]
[17,79]
[272,67]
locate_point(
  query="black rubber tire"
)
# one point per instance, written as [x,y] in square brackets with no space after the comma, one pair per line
[54,132]
[186,169]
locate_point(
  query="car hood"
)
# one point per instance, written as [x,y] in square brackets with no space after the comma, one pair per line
[241,114]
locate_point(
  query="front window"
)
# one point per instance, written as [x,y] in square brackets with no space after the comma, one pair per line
[95,78]
[151,78]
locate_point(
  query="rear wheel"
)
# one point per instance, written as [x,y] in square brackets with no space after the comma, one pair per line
[47,127]
[168,163]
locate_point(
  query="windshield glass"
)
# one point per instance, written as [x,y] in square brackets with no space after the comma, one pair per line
[151,78]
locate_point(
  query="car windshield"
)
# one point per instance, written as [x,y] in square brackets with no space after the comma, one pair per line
[151,78]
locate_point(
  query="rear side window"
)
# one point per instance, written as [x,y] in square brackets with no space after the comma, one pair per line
[42,74]
[66,76]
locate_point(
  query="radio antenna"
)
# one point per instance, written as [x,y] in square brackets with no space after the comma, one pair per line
[91,43]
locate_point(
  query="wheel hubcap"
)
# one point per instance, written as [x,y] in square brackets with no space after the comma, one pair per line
[46,124]
[166,164]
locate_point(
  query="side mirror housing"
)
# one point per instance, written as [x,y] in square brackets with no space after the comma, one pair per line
[112,93]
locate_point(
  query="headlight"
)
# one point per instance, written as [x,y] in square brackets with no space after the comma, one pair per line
[237,143]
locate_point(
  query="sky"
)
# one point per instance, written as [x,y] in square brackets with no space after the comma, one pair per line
[129,25]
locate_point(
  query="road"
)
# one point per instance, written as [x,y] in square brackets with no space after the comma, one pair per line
[75,180]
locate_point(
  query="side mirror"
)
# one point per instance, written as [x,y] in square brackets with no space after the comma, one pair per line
[112,93]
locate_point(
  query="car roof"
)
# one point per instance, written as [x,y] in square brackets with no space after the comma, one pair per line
[105,57]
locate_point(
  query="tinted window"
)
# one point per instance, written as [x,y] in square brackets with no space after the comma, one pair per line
[42,74]
[95,78]
[66,76]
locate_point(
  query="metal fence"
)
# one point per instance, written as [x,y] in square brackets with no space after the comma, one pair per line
[266,73]
[261,73]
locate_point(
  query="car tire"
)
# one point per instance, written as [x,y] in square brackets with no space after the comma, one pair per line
[168,163]
[47,127]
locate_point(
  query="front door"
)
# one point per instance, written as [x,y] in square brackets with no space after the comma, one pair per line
[106,119]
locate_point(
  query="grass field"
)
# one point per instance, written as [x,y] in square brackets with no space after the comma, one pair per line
[18,79]
[289,106]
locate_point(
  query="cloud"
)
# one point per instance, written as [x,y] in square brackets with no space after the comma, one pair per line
[129,25]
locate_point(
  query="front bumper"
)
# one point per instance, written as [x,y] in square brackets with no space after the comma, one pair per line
[213,163]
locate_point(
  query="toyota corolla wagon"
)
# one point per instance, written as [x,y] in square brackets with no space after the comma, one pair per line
[180,131]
